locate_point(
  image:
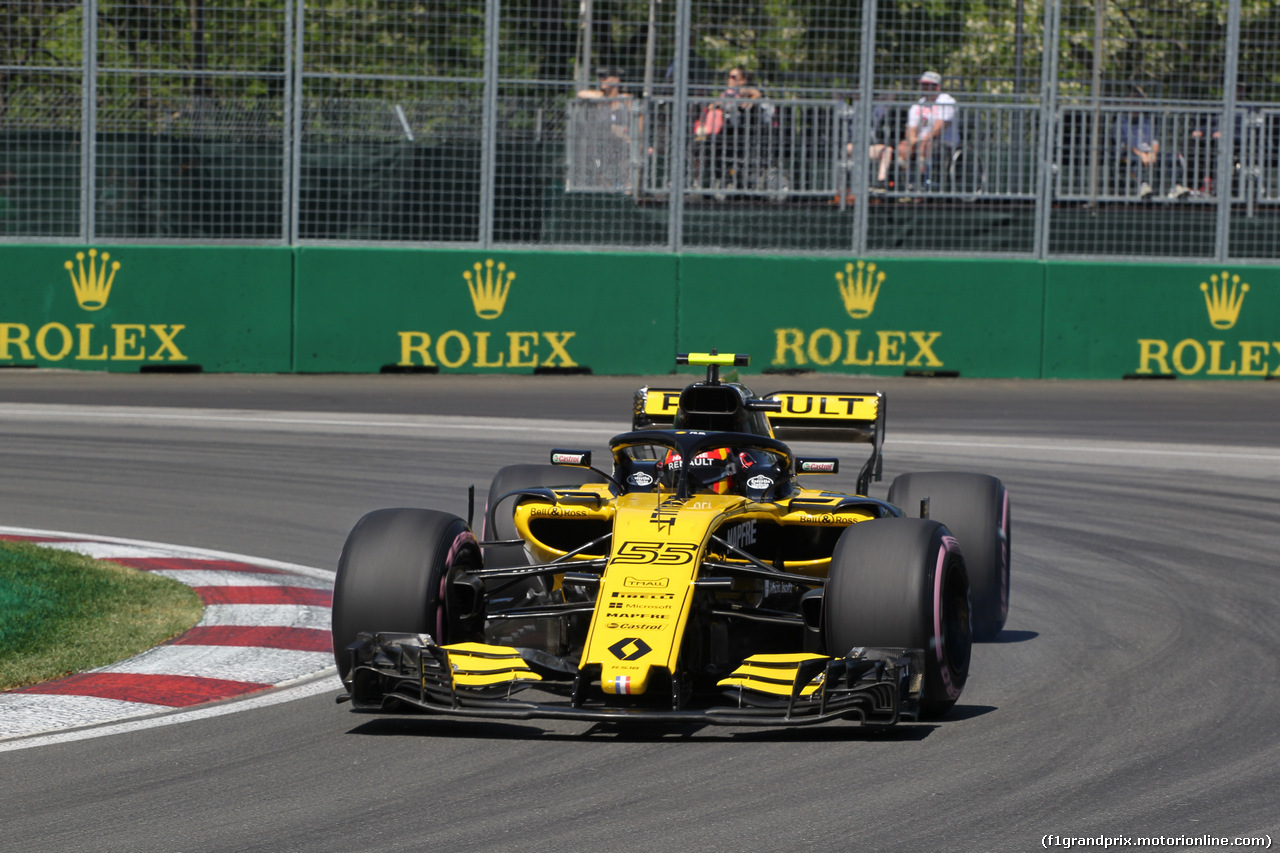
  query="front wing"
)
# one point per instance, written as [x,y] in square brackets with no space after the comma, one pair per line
[396,673]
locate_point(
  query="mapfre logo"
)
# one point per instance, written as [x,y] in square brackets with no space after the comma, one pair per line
[93,275]
[858,285]
[1223,301]
[489,283]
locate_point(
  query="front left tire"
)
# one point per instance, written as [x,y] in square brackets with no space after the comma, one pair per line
[405,571]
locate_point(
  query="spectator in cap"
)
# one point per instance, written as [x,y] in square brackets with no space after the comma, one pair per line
[931,126]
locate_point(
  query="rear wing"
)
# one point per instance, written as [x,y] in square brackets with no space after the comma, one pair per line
[655,408]
[800,416]
[820,416]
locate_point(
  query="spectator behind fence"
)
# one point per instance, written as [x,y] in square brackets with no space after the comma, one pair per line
[1205,152]
[719,114]
[607,132]
[721,131]
[880,149]
[619,102]
[1139,150]
[931,129]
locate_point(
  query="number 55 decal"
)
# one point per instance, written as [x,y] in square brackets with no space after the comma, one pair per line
[661,553]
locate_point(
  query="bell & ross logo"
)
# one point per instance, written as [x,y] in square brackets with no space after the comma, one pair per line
[489,284]
[859,285]
[91,283]
[1223,300]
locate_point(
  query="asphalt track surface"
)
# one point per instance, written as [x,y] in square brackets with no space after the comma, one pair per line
[1134,692]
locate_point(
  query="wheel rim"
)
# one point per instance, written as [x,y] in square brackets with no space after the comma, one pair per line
[1006,547]
[956,634]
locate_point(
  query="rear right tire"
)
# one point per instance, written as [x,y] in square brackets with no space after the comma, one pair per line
[974,507]
[506,593]
[509,479]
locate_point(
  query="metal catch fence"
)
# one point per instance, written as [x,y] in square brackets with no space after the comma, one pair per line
[725,125]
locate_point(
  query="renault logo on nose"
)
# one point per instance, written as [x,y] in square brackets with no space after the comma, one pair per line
[638,649]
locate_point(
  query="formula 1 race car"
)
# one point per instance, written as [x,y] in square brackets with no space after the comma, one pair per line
[694,581]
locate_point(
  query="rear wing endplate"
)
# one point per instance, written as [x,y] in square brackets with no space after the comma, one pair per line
[820,416]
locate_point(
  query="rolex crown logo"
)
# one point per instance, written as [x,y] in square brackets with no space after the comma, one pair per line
[1223,296]
[92,287]
[859,290]
[489,291]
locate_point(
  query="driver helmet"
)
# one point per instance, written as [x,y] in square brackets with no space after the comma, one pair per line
[711,471]
[760,476]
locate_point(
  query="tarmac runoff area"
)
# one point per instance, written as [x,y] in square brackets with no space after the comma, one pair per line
[265,625]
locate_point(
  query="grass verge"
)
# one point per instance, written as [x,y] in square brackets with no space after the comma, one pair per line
[62,613]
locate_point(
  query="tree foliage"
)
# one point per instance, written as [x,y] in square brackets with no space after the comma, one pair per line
[153,54]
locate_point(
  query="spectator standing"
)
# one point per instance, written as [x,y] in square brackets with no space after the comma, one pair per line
[608,120]
[619,102]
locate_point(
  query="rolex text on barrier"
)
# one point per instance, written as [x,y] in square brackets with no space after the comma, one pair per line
[1194,322]
[365,310]
[128,308]
[874,316]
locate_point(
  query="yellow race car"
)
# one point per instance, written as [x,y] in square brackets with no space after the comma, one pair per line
[693,578]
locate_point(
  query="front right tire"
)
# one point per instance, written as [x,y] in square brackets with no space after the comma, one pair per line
[901,583]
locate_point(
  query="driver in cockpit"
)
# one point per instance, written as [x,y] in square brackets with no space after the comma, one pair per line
[726,470]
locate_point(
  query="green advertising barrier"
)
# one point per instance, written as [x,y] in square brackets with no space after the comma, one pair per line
[366,310]
[131,308]
[866,316]
[1105,321]
[362,310]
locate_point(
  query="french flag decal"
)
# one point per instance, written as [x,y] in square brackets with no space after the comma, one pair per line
[622,685]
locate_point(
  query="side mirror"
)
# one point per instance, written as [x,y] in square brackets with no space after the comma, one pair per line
[817,466]
[574,458]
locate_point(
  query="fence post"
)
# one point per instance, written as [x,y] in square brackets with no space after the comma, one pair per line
[89,121]
[1048,128]
[291,132]
[489,121]
[1227,134]
[1095,146]
[862,131]
[679,129]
